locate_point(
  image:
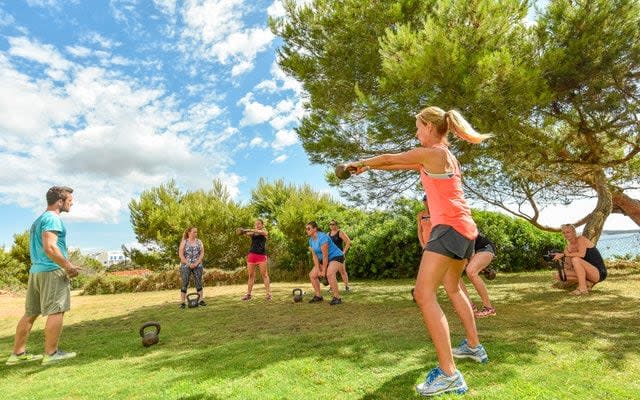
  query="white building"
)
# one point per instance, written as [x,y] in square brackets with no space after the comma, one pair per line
[108,258]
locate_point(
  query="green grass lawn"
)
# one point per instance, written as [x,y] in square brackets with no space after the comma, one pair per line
[543,344]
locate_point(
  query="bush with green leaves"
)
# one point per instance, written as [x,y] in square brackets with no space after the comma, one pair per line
[10,271]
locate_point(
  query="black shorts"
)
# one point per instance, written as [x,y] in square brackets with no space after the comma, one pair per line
[447,241]
[339,259]
[488,248]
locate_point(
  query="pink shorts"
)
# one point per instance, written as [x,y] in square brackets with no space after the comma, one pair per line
[253,258]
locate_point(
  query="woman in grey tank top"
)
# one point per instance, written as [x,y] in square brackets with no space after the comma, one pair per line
[191,253]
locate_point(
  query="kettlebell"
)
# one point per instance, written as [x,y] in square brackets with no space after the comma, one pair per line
[192,300]
[324,280]
[150,338]
[413,296]
[297,295]
[489,273]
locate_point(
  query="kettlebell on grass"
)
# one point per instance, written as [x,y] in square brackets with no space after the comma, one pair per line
[192,300]
[297,295]
[150,338]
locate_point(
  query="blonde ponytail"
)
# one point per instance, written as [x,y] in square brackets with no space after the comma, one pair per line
[451,121]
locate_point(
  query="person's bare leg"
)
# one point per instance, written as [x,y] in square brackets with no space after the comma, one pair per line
[52,331]
[315,282]
[585,272]
[342,268]
[461,303]
[22,333]
[331,277]
[433,268]
[251,270]
[478,263]
[265,277]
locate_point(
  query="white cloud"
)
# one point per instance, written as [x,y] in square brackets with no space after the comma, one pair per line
[284,138]
[254,113]
[242,45]
[241,68]
[6,19]
[215,30]
[280,159]
[166,6]
[78,51]
[269,86]
[96,38]
[276,9]
[34,51]
[258,142]
[101,132]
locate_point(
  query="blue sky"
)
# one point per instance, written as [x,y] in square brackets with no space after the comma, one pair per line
[114,97]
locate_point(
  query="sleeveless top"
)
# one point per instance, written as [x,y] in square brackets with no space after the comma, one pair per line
[258,244]
[337,239]
[445,197]
[192,252]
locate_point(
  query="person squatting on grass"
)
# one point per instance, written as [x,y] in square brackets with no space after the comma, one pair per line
[484,252]
[257,257]
[450,244]
[48,288]
[343,242]
[327,260]
[585,260]
[191,253]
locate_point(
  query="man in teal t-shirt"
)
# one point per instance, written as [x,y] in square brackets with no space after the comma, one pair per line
[49,221]
[48,290]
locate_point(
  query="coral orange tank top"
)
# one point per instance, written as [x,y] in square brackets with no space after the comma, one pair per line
[445,197]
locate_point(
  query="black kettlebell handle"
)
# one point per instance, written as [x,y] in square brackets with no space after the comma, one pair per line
[149,324]
[297,292]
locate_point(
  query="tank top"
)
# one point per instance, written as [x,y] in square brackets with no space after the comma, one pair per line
[192,251]
[337,239]
[258,244]
[445,197]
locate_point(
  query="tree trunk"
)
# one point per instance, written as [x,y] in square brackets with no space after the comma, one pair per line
[625,205]
[593,228]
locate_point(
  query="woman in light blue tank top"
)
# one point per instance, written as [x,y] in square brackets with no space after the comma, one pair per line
[327,260]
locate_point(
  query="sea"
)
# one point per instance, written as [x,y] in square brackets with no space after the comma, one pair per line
[614,244]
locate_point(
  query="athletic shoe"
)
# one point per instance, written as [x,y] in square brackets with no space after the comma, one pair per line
[335,301]
[58,356]
[246,297]
[202,303]
[316,299]
[22,358]
[183,305]
[485,312]
[478,353]
[437,382]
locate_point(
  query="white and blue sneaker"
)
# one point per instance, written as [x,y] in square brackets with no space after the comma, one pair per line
[437,382]
[477,353]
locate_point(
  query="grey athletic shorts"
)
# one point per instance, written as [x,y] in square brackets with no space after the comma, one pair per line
[447,241]
[48,293]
